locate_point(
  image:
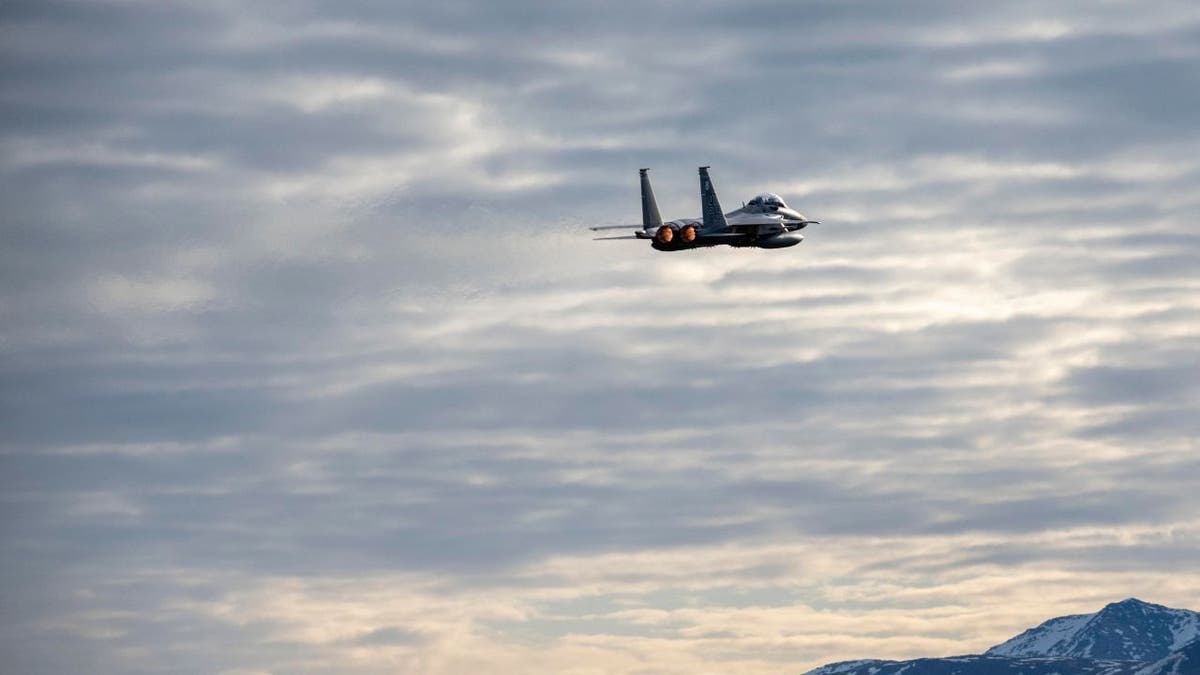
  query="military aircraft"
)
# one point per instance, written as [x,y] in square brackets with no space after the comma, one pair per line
[765,222]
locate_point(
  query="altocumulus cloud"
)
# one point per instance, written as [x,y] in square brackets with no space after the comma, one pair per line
[308,364]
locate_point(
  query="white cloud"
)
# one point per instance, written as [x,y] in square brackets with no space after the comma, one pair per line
[124,294]
[310,363]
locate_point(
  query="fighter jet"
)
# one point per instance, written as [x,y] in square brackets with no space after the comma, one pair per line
[765,222]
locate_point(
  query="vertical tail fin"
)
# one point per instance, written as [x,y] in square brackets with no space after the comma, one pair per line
[651,220]
[714,217]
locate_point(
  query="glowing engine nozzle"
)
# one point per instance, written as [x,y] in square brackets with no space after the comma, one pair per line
[688,234]
[664,235]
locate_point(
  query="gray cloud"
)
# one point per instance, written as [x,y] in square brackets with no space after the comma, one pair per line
[308,363]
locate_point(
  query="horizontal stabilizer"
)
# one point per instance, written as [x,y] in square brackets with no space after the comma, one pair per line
[615,227]
[628,236]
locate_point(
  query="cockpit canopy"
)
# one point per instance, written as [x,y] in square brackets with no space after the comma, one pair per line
[767,200]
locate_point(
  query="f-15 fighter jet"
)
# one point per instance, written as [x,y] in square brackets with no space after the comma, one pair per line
[765,222]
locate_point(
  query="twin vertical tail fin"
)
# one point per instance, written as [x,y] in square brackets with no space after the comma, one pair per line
[714,217]
[651,220]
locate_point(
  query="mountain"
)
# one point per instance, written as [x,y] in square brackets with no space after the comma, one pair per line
[1129,630]
[987,665]
[1184,660]
[1045,639]
[1130,637]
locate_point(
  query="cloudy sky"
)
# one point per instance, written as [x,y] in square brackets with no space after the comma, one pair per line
[309,364]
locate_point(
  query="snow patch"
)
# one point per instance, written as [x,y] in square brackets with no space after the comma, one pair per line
[1045,638]
[1184,629]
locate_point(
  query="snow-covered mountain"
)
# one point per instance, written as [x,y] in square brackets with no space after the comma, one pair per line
[1129,630]
[987,665]
[1045,639]
[1130,637]
[1179,662]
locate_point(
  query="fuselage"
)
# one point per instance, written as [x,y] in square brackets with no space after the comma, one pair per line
[765,221]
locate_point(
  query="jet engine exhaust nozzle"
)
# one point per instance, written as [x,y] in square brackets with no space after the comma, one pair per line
[664,235]
[687,235]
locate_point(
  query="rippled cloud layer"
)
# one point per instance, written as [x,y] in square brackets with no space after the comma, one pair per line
[309,363]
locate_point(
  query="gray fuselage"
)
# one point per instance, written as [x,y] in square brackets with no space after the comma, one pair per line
[765,222]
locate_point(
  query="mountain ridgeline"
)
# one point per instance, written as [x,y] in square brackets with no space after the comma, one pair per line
[1130,637]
